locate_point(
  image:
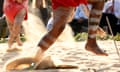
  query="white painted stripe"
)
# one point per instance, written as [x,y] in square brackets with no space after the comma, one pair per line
[93,27]
[96,12]
[97,20]
[51,37]
[92,36]
[45,44]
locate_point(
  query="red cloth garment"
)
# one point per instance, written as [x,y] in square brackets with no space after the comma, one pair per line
[67,3]
[11,8]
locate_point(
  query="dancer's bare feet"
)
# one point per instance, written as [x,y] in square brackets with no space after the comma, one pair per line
[13,49]
[38,57]
[20,43]
[39,54]
[94,48]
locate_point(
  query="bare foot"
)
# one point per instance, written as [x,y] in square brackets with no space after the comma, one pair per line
[38,57]
[20,43]
[13,49]
[95,49]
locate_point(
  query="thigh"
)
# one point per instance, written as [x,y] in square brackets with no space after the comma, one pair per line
[20,16]
[63,15]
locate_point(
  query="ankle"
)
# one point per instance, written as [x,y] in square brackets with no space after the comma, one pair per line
[91,40]
[39,54]
[19,43]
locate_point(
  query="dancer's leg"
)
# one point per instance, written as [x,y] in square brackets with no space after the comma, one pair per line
[11,39]
[15,29]
[19,18]
[61,16]
[94,20]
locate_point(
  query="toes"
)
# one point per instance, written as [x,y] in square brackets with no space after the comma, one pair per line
[14,49]
[96,50]
[102,54]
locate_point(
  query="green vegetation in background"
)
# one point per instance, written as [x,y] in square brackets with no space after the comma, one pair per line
[117,37]
[4,40]
[79,37]
[83,36]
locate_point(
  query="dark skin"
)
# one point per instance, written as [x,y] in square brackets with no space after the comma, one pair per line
[61,16]
[91,44]
[59,25]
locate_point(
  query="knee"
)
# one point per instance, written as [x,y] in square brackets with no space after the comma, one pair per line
[20,16]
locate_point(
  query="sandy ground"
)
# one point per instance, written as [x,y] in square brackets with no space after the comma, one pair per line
[74,53]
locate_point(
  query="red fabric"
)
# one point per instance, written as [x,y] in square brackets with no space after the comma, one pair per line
[67,3]
[11,8]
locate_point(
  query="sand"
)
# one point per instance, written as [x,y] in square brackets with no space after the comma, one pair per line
[73,53]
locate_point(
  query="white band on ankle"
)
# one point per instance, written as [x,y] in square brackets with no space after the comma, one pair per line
[92,36]
[96,20]
[45,44]
[93,27]
[96,12]
[51,37]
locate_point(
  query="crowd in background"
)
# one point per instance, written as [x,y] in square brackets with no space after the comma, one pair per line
[80,21]
[111,10]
